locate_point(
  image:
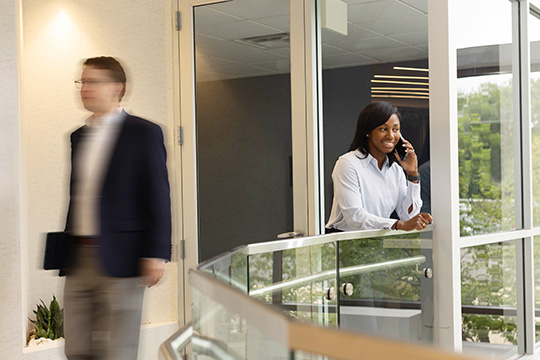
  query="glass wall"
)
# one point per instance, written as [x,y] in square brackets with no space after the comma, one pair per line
[488,293]
[243,111]
[489,163]
[381,56]
[486,118]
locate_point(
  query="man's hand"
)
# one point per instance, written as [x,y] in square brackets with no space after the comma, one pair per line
[151,271]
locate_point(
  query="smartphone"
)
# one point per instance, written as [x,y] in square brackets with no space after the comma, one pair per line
[400,149]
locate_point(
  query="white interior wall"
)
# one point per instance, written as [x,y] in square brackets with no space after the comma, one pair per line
[57,36]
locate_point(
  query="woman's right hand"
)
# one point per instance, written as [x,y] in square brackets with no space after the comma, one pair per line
[417,222]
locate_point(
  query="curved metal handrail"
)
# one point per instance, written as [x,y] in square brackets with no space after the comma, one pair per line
[174,345]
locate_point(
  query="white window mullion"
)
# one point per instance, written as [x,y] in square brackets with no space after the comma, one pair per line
[524,247]
[442,19]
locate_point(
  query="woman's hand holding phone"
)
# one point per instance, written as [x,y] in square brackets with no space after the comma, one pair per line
[410,162]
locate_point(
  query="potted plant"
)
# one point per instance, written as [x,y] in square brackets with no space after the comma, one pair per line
[49,323]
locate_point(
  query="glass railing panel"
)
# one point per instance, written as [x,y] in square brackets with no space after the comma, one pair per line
[231,268]
[302,282]
[386,287]
[488,293]
[220,332]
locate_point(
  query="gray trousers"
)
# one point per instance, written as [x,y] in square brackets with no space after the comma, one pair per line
[102,314]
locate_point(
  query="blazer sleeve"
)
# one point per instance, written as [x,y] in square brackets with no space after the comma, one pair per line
[74,138]
[157,197]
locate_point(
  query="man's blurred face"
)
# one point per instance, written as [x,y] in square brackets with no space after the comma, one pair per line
[99,92]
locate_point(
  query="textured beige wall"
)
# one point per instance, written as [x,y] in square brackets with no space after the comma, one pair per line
[57,36]
[11,334]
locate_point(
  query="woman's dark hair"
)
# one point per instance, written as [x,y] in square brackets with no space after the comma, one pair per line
[371,117]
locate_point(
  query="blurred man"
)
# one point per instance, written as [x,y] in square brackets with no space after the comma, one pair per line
[119,219]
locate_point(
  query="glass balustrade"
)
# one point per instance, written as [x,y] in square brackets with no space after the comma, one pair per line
[248,303]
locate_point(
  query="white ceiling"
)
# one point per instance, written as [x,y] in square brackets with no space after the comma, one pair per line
[379,31]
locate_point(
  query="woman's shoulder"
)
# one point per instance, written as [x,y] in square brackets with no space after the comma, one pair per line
[350,161]
[351,156]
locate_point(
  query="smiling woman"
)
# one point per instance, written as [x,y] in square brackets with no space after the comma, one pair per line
[369,185]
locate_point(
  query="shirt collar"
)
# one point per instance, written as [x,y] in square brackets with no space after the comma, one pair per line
[112,117]
[366,160]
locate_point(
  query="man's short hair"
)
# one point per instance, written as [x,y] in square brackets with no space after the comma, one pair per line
[115,69]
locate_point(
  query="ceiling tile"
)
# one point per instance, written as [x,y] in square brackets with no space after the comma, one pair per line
[281,66]
[345,60]
[202,76]
[381,10]
[368,44]
[403,25]
[331,50]
[415,39]
[204,16]
[404,53]
[353,33]
[232,51]
[236,30]
[417,4]
[207,63]
[241,71]
[284,52]
[279,22]
[254,9]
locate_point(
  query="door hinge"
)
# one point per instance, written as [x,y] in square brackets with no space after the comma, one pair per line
[180,136]
[182,249]
[177,20]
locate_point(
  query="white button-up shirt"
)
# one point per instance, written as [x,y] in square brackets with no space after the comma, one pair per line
[93,157]
[365,197]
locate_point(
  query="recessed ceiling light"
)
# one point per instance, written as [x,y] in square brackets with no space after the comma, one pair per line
[401,96]
[400,88]
[400,82]
[410,68]
[380,92]
[401,77]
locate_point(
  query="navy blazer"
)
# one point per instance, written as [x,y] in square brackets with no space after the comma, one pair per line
[135,209]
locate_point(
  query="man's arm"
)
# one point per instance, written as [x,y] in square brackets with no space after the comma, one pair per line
[157,197]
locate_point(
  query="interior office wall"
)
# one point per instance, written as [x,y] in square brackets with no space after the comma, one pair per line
[57,36]
[244,157]
[346,92]
[11,334]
